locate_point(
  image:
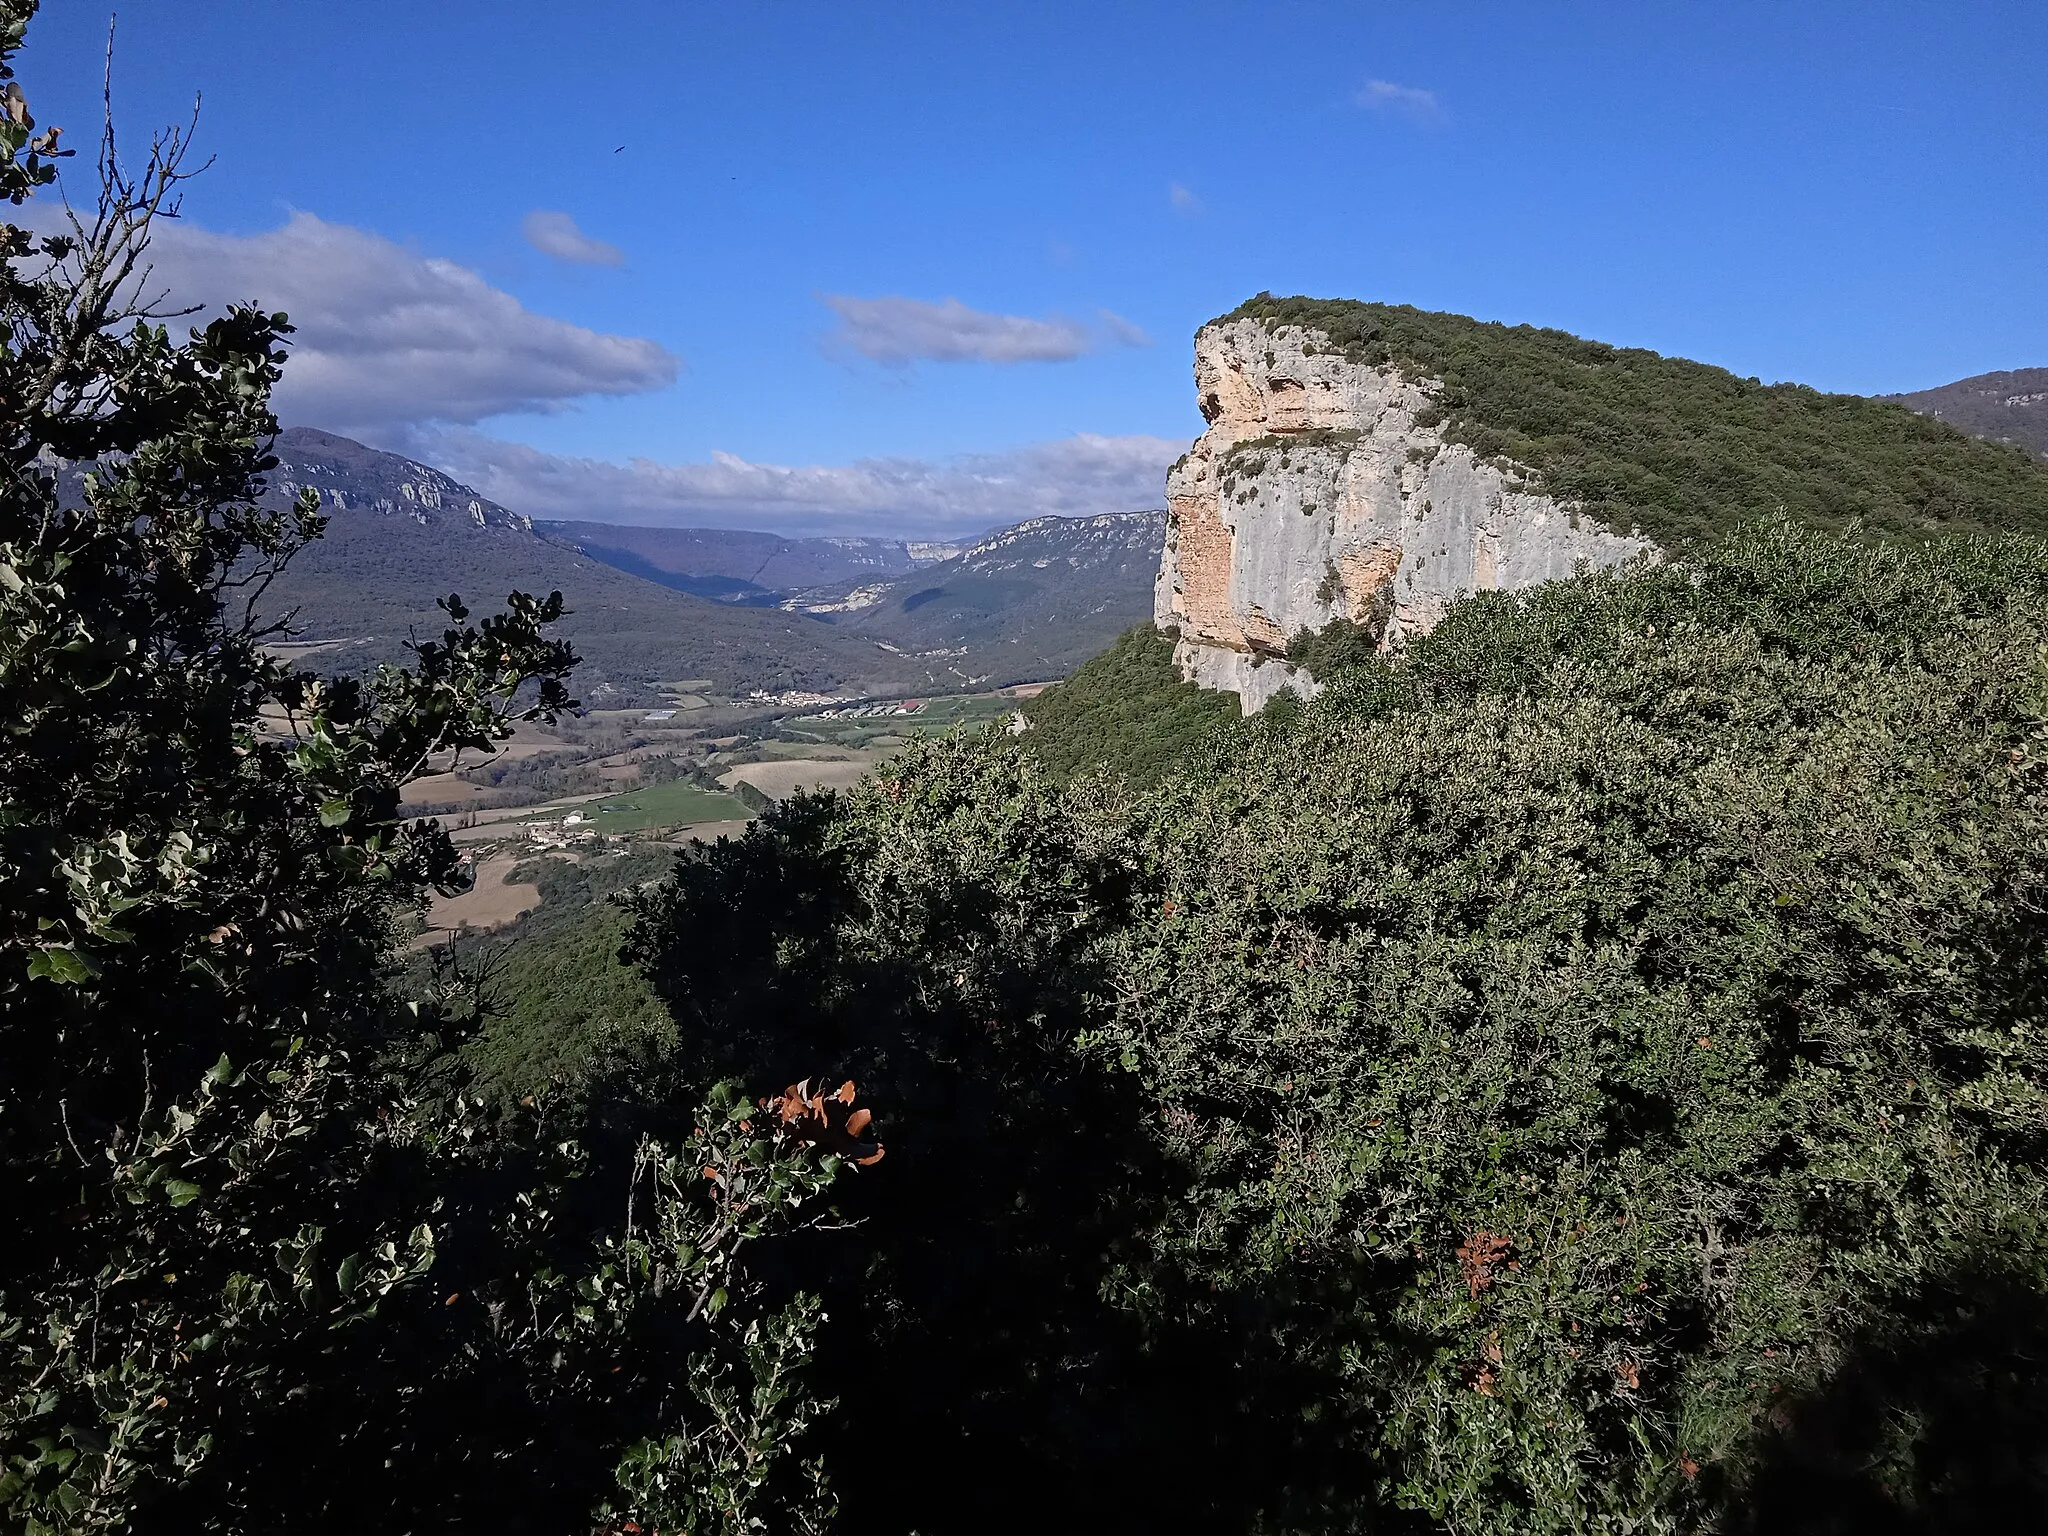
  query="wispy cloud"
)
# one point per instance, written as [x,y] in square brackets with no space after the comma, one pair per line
[1123,332]
[903,497]
[557,235]
[1184,201]
[898,331]
[387,337]
[1401,100]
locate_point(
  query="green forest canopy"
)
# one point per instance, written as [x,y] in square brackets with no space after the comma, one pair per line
[1128,707]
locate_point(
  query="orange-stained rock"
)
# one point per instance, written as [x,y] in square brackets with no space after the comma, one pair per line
[1316,494]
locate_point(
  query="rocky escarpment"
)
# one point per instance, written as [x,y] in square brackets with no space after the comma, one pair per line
[1324,489]
[347,476]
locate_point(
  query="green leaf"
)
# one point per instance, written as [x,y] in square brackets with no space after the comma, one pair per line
[61,964]
[336,812]
[180,1192]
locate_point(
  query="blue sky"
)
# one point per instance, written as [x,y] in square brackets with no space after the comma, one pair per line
[1044,200]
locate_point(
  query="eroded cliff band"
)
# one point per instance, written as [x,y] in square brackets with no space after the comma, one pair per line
[1324,489]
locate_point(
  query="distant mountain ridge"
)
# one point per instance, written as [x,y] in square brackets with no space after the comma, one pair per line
[1024,603]
[650,607]
[2009,407]
[401,534]
[1020,604]
[734,565]
[353,477]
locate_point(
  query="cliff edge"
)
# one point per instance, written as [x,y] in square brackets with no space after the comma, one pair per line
[1324,488]
[1373,462]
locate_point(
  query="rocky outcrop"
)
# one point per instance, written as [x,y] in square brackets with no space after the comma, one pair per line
[1324,489]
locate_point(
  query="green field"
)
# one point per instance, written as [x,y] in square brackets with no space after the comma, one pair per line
[962,709]
[657,805]
[938,716]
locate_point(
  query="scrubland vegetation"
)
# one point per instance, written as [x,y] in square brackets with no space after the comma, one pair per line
[1584,1073]
[1128,707]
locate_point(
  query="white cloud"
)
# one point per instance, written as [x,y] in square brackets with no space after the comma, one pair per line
[1403,100]
[904,497]
[898,331]
[387,336]
[1183,200]
[555,234]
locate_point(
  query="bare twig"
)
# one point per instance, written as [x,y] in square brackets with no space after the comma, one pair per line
[64,1114]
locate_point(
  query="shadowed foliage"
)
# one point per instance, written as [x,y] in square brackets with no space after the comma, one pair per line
[1494,1091]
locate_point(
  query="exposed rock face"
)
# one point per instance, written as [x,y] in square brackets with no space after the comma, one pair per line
[351,477]
[1323,490]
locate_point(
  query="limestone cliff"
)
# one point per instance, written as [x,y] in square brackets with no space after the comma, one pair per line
[1323,489]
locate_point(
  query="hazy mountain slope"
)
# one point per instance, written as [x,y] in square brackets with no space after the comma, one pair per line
[733,565]
[2005,407]
[400,534]
[1029,602]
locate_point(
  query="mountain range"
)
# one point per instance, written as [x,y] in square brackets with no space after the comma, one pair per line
[2009,407]
[735,566]
[1035,600]
[747,611]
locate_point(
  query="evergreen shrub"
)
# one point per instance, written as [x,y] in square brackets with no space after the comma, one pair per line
[1583,1073]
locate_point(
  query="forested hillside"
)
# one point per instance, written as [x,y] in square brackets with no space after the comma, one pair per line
[2004,407]
[1127,711]
[1584,1072]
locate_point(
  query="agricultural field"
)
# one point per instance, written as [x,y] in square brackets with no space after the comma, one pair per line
[938,716]
[492,902]
[707,762]
[650,807]
[783,777]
